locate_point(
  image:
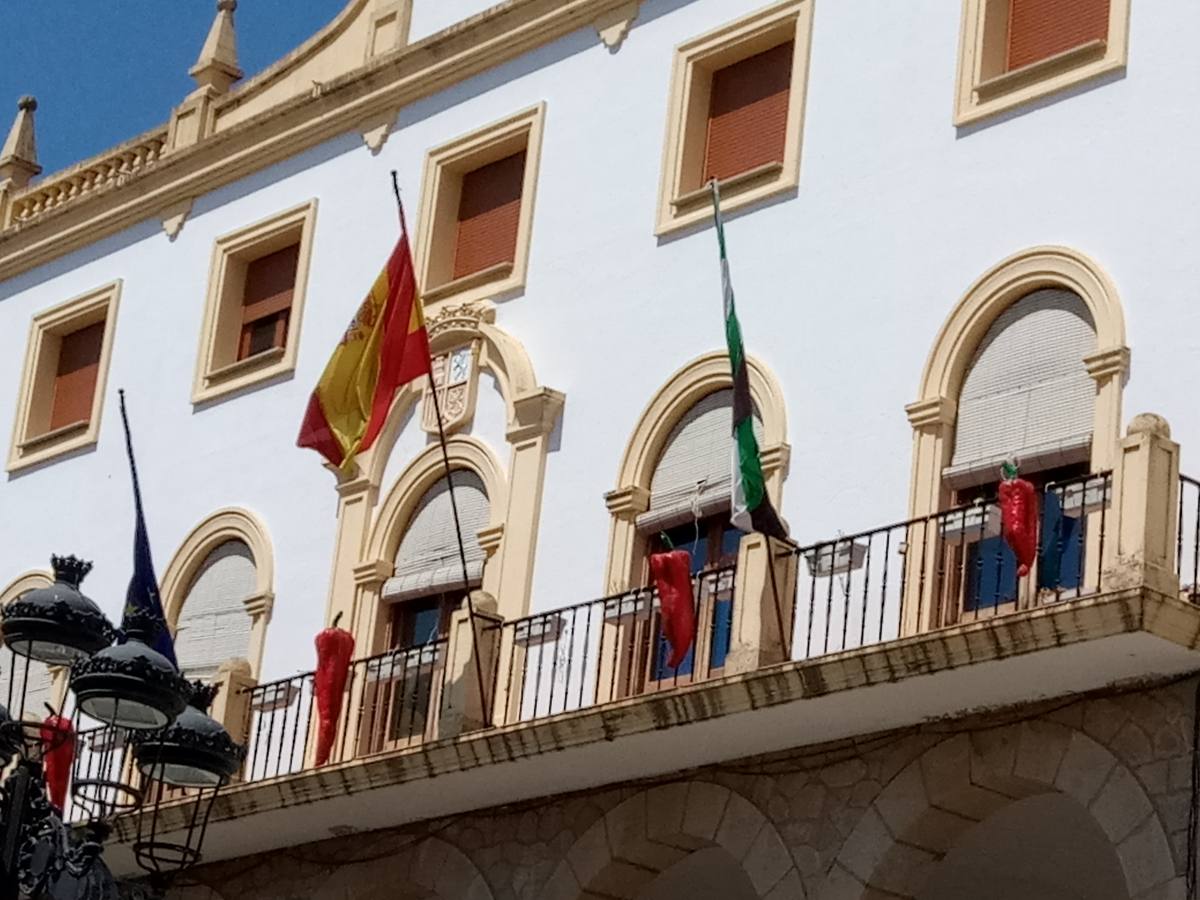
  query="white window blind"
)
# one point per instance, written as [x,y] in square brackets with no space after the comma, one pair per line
[696,465]
[1027,391]
[427,561]
[213,624]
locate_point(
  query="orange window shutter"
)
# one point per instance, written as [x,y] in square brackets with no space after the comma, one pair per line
[1039,29]
[75,378]
[489,212]
[267,301]
[747,118]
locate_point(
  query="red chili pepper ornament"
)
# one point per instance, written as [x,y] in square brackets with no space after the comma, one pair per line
[1019,517]
[58,753]
[335,647]
[672,574]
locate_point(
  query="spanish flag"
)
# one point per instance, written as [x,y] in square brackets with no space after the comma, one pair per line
[385,347]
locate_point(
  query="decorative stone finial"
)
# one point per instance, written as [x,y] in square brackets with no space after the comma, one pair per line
[217,66]
[18,156]
[1150,423]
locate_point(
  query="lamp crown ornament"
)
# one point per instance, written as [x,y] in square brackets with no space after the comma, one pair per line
[203,695]
[70,570]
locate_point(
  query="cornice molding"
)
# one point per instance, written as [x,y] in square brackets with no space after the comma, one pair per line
[287,130]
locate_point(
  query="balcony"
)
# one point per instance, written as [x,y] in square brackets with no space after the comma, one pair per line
[862,632]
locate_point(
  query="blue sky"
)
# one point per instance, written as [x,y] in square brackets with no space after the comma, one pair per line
[106,70]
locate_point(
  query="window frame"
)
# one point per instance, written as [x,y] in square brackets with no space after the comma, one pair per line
[218,370]
[445,167]
[681,204]
[36,396]
[981,93]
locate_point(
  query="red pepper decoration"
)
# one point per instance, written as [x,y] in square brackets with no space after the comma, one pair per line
[335,647]
[672,574]
[58,753]
[1019,517]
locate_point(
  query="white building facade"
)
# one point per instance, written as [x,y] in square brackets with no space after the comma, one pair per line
[956,235]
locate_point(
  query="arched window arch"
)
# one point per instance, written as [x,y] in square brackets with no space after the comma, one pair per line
[367,506]
[684,437]
[427,583]
[213,625]
[218,592]
[1041,274]
[412,562]
[1027,392]
[1030,363]
[41,684]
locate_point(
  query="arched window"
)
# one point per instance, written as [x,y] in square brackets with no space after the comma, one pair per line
[428,584]
[689,509]
[214,625]
[1027,391]
[1031,362]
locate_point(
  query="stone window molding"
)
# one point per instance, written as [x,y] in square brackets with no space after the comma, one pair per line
[388,29]
[984,89]
[933,415]
[515,496]
[440,190]
[390,523]
[682,201]
[218,371]
[695,380]
[32,444]
[229,524]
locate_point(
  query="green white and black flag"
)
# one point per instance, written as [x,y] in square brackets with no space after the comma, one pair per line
[752,510]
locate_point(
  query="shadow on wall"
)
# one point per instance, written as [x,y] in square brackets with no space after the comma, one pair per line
[77,260]
[1030,106]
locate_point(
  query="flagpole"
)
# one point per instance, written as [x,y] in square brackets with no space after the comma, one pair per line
[462,550]
[785,637]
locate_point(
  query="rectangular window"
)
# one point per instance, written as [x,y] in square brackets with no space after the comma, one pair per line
[62,385]
[1039,29]
[489,212]
[75,378]
[1015,51]
[736,112]
[477,210]
[254,305]
[747,115]
[267,301]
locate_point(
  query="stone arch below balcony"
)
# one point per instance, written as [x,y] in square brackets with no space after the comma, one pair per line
[918,839]
[663,841]
[430,870]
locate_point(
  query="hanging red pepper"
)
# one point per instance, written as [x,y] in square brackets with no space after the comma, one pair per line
[672,574]
[1019,517]
[335,647]
[58,753]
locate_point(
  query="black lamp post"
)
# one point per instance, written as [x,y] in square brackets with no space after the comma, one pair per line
[142,700]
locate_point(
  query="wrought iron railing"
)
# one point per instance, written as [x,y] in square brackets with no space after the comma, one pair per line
[607,649]
[952,566]
[1187,538]
[390,700]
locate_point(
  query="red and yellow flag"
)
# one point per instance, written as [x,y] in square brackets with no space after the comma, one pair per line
[385,347]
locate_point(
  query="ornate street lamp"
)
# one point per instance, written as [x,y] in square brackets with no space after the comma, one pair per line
[139,695]
[194,753]
[57,625]
[130,684]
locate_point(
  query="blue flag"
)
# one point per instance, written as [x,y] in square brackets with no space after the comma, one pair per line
[142,599]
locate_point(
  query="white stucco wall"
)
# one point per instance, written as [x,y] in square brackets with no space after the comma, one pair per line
[430,16]
[841,289]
